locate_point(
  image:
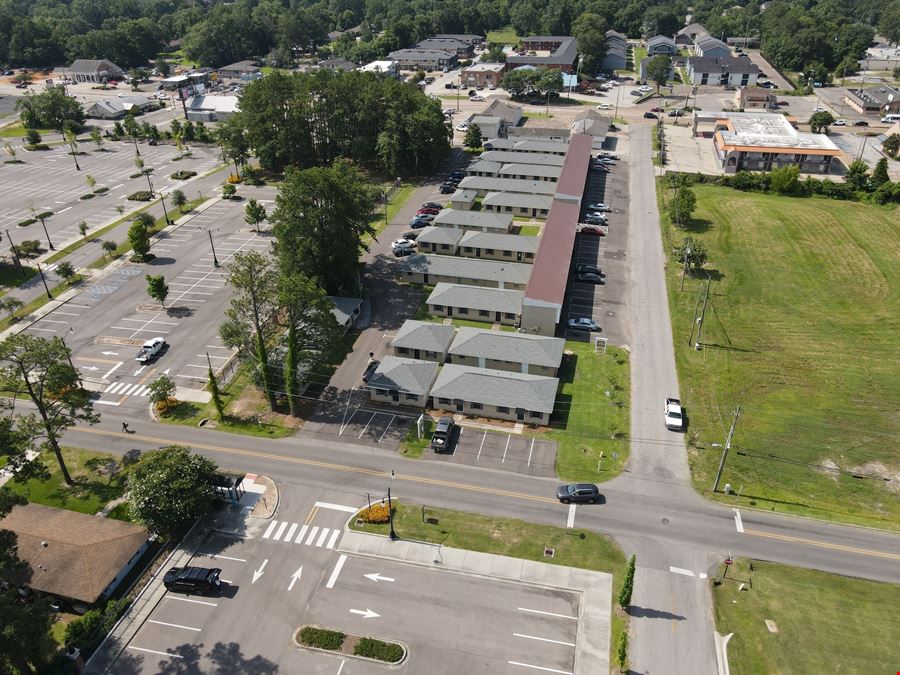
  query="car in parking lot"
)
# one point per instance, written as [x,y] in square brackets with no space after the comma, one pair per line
[478,98]
[860,123]
[462,126]
[443,434]
[588,269]
[598,206]
[427,212]
[448,189]
[649,116]
[403,251]
[582,323]
[592,230]
[410,236]
[589,278]
[422,217]
[819,108]
[595,218]
[600,168]
[578,493]
[403,243]
[150,349]
[656,109]
[371,367]
[431,205]
[677,112]
[840,123]
[604,106]
[199,580]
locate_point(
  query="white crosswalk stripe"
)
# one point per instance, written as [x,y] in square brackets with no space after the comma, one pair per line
[319,537]
[125,389]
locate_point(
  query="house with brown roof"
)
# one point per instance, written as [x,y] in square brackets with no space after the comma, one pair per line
[73,555]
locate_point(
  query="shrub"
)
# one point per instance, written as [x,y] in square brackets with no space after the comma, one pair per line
[183,175]
[79,631]
[29,247]
[234,179]
[371,648]
[37,146]
[228,191]
[140,196]
[622,650]
[377,513]
[89,195]
[27,222]
[101,190]
[321,638]
[44,214]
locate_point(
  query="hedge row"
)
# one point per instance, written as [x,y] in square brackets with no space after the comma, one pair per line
[183,175]
[321,638]
[371,648]
[140,196]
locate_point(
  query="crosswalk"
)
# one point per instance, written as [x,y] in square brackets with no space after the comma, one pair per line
[125,389]
[308,535]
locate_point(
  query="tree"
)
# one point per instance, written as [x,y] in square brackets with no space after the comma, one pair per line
[82,229]
[108,247]
[32,137]
[49,110]
[494,54]
[179,199]
[228,190]
[248,324]
[690,253]
[72,142]
[473,137]
[91,182]
[10,305]
[254,213]
[42,369]
[856,175]
[163,67]
[658,70]
[889,26]
[66,270]
[157,288]
[97,139]
[516,82]
[162,390]
[234,141]
[139,235]
[681,206]
[171,488]
[590,31]
[627,585]
[880,173]
[891,145]
[11,151]
[785,180]
[820,121]
[215,394]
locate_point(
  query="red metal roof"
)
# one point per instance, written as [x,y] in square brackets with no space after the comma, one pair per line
[551,265]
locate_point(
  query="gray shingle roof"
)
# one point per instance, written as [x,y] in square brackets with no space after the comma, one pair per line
[440,235]
[518,199]
[468,268]
[483,166]
[443,44]
[660,40]
[496,387]
[529,187]
[497,108]
[538,132]
[413,54]
[504,156]
[534,145]
[454,217]
[94,66]
[411,376]
[530,169]
[534,350]
[424,335]
[565,53]
[499,242]
[709,64]
[464,196]
[477,297]
[499,144]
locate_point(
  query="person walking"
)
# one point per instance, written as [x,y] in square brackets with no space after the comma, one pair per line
[125,427]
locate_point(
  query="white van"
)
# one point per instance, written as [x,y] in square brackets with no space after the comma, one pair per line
[893,117]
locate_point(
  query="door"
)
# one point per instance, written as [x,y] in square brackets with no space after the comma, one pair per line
[459,405]
[449,310]
[497,317]
[518,256]
[395,395]
[477,252]
[425,280]
[416,353]
[520,414]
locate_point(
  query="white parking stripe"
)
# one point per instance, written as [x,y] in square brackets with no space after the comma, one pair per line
[300,535]
[322,537]
[173,625]
[478,456]
[533,667]
[538,611]
[169,596]
[312,535]
[280,531]
[508,436]
[333,540]
[535,637]
[153,651]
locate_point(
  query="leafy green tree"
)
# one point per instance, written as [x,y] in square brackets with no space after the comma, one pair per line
[66,270]
[516,82]
[690,252]
[891,145]
[494,54]
[889,26]
[72,142]
[97,139]
[15,444]
[32,137]
[820,121]
[681,205]
[163,67]
[10,305]
[473,137]
[162,390]
[590,31]
[627,584]
[254,213]
[49,110]
[880,173]
[179,199]
[11,151]
[139,235]
[42,370]
[215,394]
[108,247]
[247,325]
[658,70]
[785,180]
[157,288]
[170,489]
[82,228]
[857,175]
[91,182]
[321,216]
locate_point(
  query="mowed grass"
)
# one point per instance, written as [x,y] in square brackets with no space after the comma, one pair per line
[505,36]
[802,332]
[826,623]
[589,425]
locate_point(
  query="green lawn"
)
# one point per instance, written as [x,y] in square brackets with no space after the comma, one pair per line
[639,53]
[801,332]
[585,419]
[505,36]
[91,491]
[412,446]
[530,230]
[18,130]
[826,623]
[378,220]
[514,538]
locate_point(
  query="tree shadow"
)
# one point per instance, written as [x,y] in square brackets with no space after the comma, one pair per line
[188,664]
[697,225]
[160,261]
[180,312]
[228,658]
[646,613]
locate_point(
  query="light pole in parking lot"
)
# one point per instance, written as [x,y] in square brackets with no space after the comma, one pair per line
[215,259]
[165,212]
[391,533]
[41,272]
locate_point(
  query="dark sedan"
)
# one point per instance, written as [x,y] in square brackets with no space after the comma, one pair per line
[448,189]
[588,269]
[579,493]
[589,278]
[649,116]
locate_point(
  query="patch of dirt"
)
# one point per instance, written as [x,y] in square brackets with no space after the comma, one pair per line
[253,404]
[892,476]
[829,467]
[349,644]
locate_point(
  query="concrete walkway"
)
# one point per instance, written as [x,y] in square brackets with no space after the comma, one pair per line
[592,646]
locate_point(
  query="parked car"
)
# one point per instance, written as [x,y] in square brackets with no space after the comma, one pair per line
[595,218]
[459,175]
[588,269]
[151,348]
[645,88]
[450,85]
[674,414]
[424,219]
[431,205]
[448,189]
[592,230]
[598,206]
[840,123]
[427,212]
[677,112]
[492,87]
[819,108]
[403,243]
[403,251]
[589,278]
[600,167]
[478,98]
[462,126]
[371,367]
[583,323]
[449,111]
[649,116]
[471,93]
[860,123]
[604,106]
[442,438]
[199,580]
[578,493]
[410,236]
[22,85]
[656,108]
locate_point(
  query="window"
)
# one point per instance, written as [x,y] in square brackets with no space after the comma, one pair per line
[402,350]
[437,308]
[502,409]
[476,406]
[463,310]
[483,312]
[380,392]
[489,251]
[507,253]
[535,414]
[509,315]
[411,397]
[444,401]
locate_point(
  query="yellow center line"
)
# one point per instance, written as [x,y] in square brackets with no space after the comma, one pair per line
[322,465]
[824,544]
[88,358]
[312,514]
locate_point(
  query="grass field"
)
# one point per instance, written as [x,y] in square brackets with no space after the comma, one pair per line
[18,130]
[826,623]
[514,538]
[802,332]
[397,202]
[529,230]
[505,36]
[585,420]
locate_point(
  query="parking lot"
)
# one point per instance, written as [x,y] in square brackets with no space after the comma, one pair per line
[494,450]
[367,424]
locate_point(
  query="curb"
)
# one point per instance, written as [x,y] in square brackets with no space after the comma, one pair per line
[355,656]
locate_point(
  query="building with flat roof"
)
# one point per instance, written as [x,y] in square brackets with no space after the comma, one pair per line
[539,133]
[432,269]
[473,220]
[491,246]
[462,49]
[504,156]
[382,67]
[483,74]
[423,340]
[755,97]
[878,100]
[753,141]
[423,59]
[212,108]
[477,303]
[242,70]
[563,52]
[471,38]
[485,184]
[728,70]
[526,171]
[400,381]
[501,350]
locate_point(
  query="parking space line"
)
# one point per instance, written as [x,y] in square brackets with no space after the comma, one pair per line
[543,668]
[531,450]
[153,651]
[508,436]
[173,625]
[312,535]
[393,417]
[478,456]
[299,539]
[337,570]
[535,637]
[367,425]
[168,596]
[322,537]
[538,611]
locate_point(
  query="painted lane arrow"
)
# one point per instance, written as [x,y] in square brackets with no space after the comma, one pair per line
[258,573]
[89,368]
[139,370]
[366,614]
[295,577]
[377,577]
[110,353]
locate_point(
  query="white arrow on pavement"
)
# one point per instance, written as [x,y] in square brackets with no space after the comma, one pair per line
[110,353]
[258,573]
[295,577]
[377,577]
[166,371]
[89,368]
[366,614]
[139,370]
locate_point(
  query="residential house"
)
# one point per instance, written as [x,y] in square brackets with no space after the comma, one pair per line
[539,133]
[477,303]
[463,200]
[517,204]
[432,269]
[483,74]
[498,394]
[382,67]
[473,220]
[551,51]
[338,64]
[592,123]
[530,172]
[482,167]
[661,44]
[753,97]
[73,555]
[689,34]
[485,184]
[491,246]
[401,381]
[504,156]
[462,49]
[508,114]
[878,100]
[736,72]
[424,340]
[212,108]
[95,70]
[500,350]
[489,126]
[711,47]
[346,310]
[616,57]
[472,39]
[242,70]
[541,145]
[423,59]
[441,240]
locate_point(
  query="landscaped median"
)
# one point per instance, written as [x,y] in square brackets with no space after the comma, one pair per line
[350,645]
[792,620]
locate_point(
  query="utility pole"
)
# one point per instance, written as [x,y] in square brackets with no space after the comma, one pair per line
[737,413]
[46,288]
[213,247]
[702,315]
[687,252]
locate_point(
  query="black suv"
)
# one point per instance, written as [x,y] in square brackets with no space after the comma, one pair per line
[443,434]
[578,492]
[199,580]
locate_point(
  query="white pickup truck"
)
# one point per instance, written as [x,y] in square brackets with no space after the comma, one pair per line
[150,349]
[674,414]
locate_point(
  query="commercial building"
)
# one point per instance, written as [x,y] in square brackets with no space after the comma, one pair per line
[242,70]
[737,72]
[382,67]
[95,70]
[423,340]
[401,381]
[765,141]
[212,108]
[500,350]
[462,49]
[471,38]
[483,74]
[878,100]
[753,97]
[117,108]
[661,44]
[432,269]
[423,59]
[551,51]
[477,303]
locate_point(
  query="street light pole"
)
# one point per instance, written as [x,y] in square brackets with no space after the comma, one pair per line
[391,534]
[737,413]
[41,272]
[68,353]
[16,255]
[215,259]
[165,212]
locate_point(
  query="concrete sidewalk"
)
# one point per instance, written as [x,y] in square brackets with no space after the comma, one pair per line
[592,646]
